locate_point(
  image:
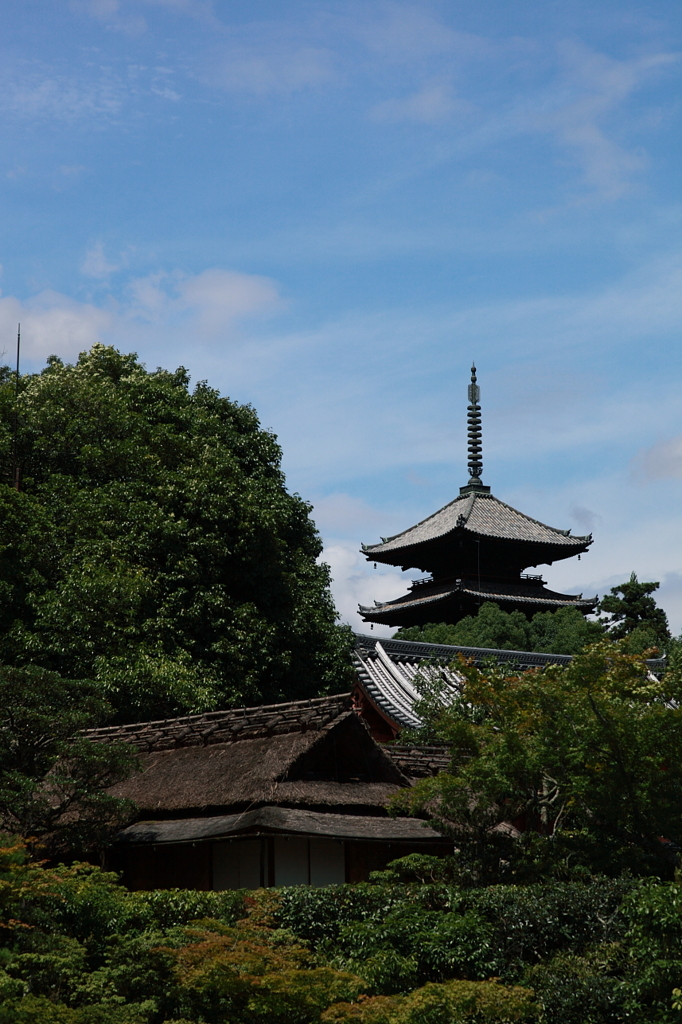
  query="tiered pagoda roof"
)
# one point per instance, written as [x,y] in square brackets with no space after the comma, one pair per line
[476,549]
[479,516]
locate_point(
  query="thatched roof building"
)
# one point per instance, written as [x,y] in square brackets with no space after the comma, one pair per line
[272,795]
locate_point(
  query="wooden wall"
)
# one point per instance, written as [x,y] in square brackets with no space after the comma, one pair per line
[253,862]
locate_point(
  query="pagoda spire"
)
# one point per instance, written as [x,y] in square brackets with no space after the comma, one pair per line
[474,430]
[474,438]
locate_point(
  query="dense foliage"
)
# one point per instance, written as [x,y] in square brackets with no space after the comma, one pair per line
[77,948]
[52,778]
[585,759]
[565,631]
[153,545]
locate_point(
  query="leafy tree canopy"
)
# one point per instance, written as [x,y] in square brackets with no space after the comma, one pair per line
[565,631]
[585,759]
[52,778]
[153,545]
[632,612]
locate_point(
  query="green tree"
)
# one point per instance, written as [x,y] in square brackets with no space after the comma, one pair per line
[153,545]
[565,631]
[52,778]
[633,613]
[586,759]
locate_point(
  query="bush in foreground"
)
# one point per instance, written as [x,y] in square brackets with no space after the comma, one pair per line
[77,948]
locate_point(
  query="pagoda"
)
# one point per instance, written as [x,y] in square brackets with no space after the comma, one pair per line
[475,549]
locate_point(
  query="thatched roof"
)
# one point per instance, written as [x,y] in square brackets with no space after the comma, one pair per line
[305,754]
[281,821]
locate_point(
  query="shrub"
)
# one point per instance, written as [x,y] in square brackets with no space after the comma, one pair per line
[453,1002]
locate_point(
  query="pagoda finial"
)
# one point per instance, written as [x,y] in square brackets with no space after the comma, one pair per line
[474,430]
[474,437]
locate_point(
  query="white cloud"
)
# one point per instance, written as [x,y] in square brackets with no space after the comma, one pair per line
[166,93]
[337,424]
[159,311]
[96,264]
[354,582]
[662,461]
[221,296]
[345,522]
[146,299]
[53,324]
[213,299]
[630,534]
[635,527]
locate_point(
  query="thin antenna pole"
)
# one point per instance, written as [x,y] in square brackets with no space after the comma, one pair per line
[15,466]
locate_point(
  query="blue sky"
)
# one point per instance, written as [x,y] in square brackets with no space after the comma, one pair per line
[329,209]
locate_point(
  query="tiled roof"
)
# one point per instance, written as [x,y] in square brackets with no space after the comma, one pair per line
[482,515]
[420,762]
[415,652]
[282,821]
[392,683]
[389,672]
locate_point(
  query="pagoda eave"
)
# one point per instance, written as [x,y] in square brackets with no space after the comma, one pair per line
[428,554]
[454,602]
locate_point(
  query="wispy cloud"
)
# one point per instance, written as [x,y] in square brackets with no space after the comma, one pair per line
[662,461]
[590,86]
[96,264]
[409,33]
[33,92]
[274,67]
[575,98]
[92,94]
[431,104]
[111,14]
[299,379]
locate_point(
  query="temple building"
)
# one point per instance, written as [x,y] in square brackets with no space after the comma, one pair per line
[283,794]
[475,549]
[293,793]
